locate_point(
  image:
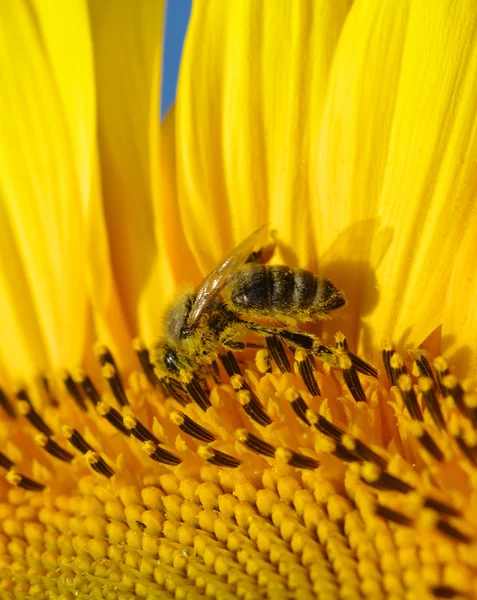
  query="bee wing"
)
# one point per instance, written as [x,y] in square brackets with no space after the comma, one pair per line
[219,277]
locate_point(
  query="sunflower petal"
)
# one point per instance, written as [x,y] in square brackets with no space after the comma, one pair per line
[127,40]
[175,263]
[45,164]
[459,327]
[249,106]
[398,142]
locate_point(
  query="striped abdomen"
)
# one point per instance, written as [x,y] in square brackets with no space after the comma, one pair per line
[279,292]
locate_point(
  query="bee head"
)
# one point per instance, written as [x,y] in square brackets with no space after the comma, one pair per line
[168,360]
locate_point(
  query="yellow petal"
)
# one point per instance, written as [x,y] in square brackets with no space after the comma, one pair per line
[46,119]
[249,105]
[175,263]
[398,146]
[459,327]
[128,48]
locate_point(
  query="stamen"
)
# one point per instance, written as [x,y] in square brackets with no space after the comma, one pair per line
[442,370]
[187,425]
[294,459]
[444,591]
[6,405]
[145,361]
[53,448]
[305,364]
[112,416]
[441,507]
[382,480]
[447,529]
[363,452]
[25,409]
[341,345]
[423,365]
[255,443]
[324,426]
[96,461]
[351,378]
[388,353]
[426,441]
[139,431]
[19,480]
[215,372]
[249,401]
[98,464]
[196,391]
[158,454]
[5,462]
[470,451]
[392,515]
[230,363]
[409,396]
[398,367]
[73,391]
[456,392]
[175,390]
[298,404]
[112,377]
[277,351]
[49,394]
[426,386]
[253,408]
[215,457]
[80,377]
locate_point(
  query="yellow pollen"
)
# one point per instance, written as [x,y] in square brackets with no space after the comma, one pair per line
[396,361]
[13,477]
[283,455]
[241,435]
[91,457]
[148,447]
[387,346]
[425,384]
[450,381]
[405,383]
[129,421]
[103,408]
[440,364]
[236,381]
[108,371]
[243,396]
[185,377]
[176,418]
[40,440]
[78,375]
[344,362]
[23,407]
[262,360]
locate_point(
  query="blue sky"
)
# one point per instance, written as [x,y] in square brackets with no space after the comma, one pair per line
[177,17]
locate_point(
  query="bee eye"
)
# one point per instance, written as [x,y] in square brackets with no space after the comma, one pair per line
[170,360]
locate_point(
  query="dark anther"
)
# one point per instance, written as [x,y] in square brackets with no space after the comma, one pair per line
[197,393]
[362,366]
[145,361]
[343,453]
[101,467]
[112,416]
[388,352]
[258,445]
[409,397]
[469,451]
[392,515]
[327,427]
[29,484]
[423,365]
[165,457]
[194,429]
[175,390]
[306,368]
[430,445]
[386,481]
[57,451]
[221,459]
[444,591]
[438,506]
[255,411]
[78,441]
[351,378]
[115,384]
[302,462]
[89,389]
[49,394]
[300,407]
[74,392]
[32,415]
[365,453]
[277,352]
[449,530]
[142,433]
[6,405]
[230,364]
[426,385]
[5,462]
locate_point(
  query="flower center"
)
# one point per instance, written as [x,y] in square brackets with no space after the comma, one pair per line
[275,474]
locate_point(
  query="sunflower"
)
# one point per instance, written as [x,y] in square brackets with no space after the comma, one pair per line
[351,128]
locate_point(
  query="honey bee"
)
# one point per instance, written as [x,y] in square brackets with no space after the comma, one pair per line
[242,295]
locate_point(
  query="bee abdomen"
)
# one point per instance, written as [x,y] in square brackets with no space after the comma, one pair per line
[280,291]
